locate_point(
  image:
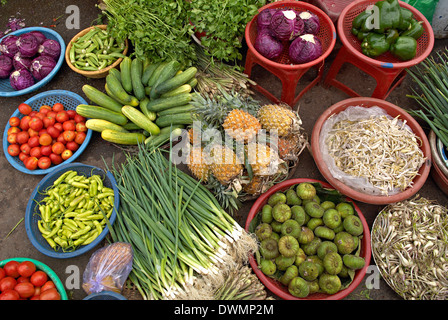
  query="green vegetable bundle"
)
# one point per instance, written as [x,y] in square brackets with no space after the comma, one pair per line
[181,237]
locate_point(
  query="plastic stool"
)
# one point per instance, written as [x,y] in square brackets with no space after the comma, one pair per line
[387,70]
[289,79]
[289,73]
[387,79]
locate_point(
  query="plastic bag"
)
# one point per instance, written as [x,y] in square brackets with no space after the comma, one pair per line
[352,113]
[426,7]
[108,268]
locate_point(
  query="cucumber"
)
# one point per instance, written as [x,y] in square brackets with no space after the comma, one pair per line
[176,110]
[193,82]
[96,112]
[99,125]
[167,73]
[144,108]
[140,119]
[125,67]
[118,91]
[155,75]
[115,72]
[147,91]
[101,99]
[185,88]
[147,72]
[161,104]
[109,93]
[129,138]
[180,118]
[131,126]
[136,79]
[174,82]
[156,141]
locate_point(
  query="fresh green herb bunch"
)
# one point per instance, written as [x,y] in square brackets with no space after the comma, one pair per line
[224,23]
[157,29]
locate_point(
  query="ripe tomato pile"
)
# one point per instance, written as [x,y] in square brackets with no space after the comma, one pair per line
[22,281]
[45,137]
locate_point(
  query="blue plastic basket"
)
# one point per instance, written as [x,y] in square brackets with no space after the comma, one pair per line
[70,101]
[31,216]
[5,86]
[105,295]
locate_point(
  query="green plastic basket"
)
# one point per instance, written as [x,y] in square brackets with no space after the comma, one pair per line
[43,267]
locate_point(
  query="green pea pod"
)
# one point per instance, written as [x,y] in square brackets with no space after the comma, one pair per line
[405,48]
[415,31]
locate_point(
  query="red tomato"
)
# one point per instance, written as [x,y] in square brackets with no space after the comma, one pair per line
[45,150]
[50,294]
[22,279]
[36,123]
[79,118]
[14,150]
[23,157]
[72,145]
[36,297]
[2,273]
[10,294]
[12,138]
[48,121]
[32,113]
[69,135]
[39,279]
[58,147]
[25,148]
[58,126]
[32,132]
[71,113]
[56,159]
[44,163]
[22,137]
[45,109]
[53,132]
[69,126]
[80,137]
[14,121]
[40,115]
[66,154]
[13,130]
[25,123]
[35,152]
[11,268]
[24,109]
[7,283]
[26,268]
[25,289]
[52,114]
[58,107]
[61,139]
[45,139]
[31,163]
[33,141]
[62,116]
[81,127]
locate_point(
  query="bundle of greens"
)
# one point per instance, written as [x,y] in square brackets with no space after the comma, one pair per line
[432,80]
[185,245]
[157,29]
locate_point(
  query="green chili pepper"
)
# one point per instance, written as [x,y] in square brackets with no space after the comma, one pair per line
[54,230]
[81,232]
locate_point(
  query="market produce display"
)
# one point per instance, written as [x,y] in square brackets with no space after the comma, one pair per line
[45,137]
[23,281]
[300,29]
[27,58]
[308,243]
[392,29]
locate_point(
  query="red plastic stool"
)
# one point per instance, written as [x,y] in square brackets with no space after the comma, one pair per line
[289,73]
[388,71]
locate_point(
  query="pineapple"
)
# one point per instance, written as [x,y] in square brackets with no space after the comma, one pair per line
[224,164]
[255,186]
[288,148]
[197,164]
[241,126]
[263,159]
[280,118]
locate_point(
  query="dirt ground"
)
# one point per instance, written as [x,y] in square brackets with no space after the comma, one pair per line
[16,187]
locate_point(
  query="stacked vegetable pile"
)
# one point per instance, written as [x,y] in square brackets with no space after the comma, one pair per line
[22,281]
[240,149]
[28,58]
[143,102]
[308,243]
[185,245]
[278,28]
[395,31]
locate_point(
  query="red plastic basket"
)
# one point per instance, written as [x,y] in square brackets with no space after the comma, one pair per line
[425,43]
[326,35]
